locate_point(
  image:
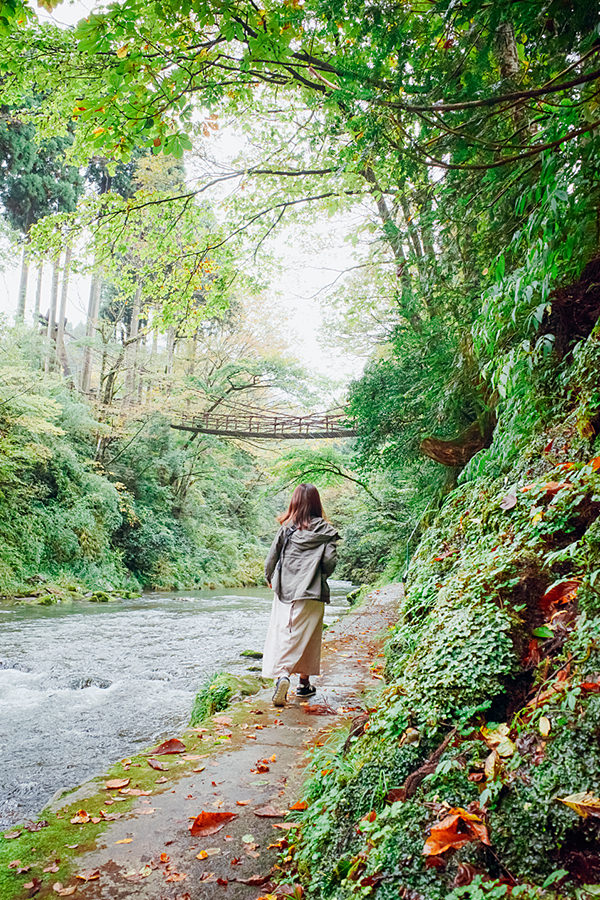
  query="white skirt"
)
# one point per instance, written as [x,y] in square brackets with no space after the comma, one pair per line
[293,642]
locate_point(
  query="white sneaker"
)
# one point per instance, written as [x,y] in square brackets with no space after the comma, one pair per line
[281,691]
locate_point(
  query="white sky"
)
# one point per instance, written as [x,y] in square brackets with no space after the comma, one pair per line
[307,268]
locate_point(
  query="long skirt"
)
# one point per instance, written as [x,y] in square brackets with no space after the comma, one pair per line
[293,642]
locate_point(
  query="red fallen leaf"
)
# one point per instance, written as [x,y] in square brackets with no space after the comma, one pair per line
[465,874]
[11,835]
[300,805]
[236,861]
[509,501]
[435,862]
[592,687]
[563,592]
[88,874]
[260,768]
[33,886]
[595,463]
[210,822]
[116,783]
[242,802]
[173,745]
[156,764]
[370,816]
[222,881]
[319,709]
[268,812]
[455,830]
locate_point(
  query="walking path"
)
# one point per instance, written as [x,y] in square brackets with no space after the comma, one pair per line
[257,762]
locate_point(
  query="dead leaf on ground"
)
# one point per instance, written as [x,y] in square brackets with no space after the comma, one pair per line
[254,880]
[124,841]
[117,783]
[81,817]
[560,593]
[156,764]
[53,867]
[11,835]
[222,720]
[33,886]
[88,874]
[210,822]
[509,501]
[242,802]
[268,812]
[58,888]
[299,805]
[320,709]
[285,826]
[585,804]
[455,830]
[173,745]
[161,780]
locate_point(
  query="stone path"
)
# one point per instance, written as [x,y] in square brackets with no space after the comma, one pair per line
[149,853]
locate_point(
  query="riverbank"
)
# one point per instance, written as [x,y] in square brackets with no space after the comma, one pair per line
[249,758]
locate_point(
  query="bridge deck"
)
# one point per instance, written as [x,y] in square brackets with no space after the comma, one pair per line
[271,427]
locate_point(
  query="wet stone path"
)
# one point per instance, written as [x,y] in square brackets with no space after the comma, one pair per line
[254,770]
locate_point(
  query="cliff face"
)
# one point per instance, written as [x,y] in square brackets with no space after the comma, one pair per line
[476,770]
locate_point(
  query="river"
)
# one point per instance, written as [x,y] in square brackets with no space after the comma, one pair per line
[85,684]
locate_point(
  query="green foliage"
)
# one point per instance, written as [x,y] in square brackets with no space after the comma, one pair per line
[218,692]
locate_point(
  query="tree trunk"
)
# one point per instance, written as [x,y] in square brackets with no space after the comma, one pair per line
[170,350]
[23,284]
[61,352]
[38,295]
[51,328]
[131,352]
[90,330]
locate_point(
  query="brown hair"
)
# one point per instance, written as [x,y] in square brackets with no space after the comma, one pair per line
[304,506]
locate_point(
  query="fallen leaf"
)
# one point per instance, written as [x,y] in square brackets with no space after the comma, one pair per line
[173,745]
[88,874]
[222,720]
[544,726]
[268,812]
[33,886]
[11,835]
[156,764]
[563,592]
[80,817]
[242,802]
[210,822]
[509,501]
[595,463]
[176,876]
[124,841]
[161,780]
[135,792]
[286,825]
[208,876]
[592,687]
[199,769]
[455,830]
[37,826]
[58,888]
[53,867]
[320,709]
[585,804]
[301,804]
[254,880]
[116,783]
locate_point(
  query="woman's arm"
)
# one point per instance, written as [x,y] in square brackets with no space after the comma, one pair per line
[273,556]
[329,559]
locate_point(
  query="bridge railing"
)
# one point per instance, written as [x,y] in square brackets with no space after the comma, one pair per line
[259,425]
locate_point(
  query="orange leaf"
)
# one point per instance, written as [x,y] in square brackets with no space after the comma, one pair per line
[455,830]
[268,812]
[210,822]
[301,804]
[595,463]
[563,592]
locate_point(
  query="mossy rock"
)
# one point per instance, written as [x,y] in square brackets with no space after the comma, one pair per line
[252,654]
[101,597]
[221,690]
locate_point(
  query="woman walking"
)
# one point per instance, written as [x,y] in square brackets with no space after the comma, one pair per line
[301,558]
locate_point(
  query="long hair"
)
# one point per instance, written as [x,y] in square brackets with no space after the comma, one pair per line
[304,506]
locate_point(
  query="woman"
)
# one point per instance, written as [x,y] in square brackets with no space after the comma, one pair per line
[301,558]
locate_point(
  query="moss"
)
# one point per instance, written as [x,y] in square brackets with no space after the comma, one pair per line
[219,691]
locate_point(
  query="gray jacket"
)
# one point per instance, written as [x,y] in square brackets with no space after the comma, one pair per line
[308,560]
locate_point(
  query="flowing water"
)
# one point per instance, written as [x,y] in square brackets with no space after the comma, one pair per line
[85,684]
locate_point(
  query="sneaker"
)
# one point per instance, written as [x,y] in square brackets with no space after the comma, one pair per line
[305,690]
[281,691]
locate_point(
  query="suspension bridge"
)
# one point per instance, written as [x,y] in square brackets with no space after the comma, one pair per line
[248,422]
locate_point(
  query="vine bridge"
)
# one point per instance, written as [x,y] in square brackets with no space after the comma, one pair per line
[248,422]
